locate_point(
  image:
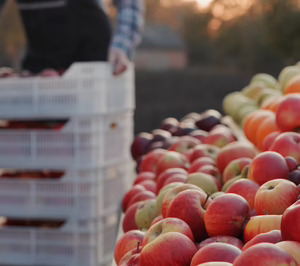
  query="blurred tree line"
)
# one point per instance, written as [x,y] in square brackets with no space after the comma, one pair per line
[252,35]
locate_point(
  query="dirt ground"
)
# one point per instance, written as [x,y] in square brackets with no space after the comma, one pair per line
[176,93]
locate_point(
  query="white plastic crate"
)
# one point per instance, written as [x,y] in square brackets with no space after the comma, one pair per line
[85,88]
[78,193]
[84,142]
[77,243]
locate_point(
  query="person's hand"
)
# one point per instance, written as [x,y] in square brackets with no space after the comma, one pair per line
[119,60]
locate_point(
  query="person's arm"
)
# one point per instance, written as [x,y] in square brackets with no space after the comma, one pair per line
[130,21]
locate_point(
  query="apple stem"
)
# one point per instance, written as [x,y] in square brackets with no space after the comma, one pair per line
[206,199]
[266,213]
[138,247]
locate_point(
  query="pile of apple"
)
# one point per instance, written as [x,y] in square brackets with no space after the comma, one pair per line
[204,197]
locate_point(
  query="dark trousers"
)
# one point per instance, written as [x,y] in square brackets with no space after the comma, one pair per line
[77,31]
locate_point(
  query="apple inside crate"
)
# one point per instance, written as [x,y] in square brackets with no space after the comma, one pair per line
[52,243]
[84,89]
[81,142]
[59,194]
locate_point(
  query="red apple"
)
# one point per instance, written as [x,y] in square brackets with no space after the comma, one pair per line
[141,196]
[269,139]
[219,136]
[227,215]
[171,159]
[232,151]
[157,219]
[132,257]
[267,166]
[273,237]
[245,188]
[149,185]
[216,252]
[163,192]
[172,193]
[172,248]
[264,254]
[129,218]
[291,247]
[222,239]
[261,224]
[144,176]
[204,150]
[199,134]
[197,202]
[161,179]
[175,178]
[288,113]
[235,168]
[287,144]
[198,163]
[140,145]
[127,242]
[184,144]
[166,226]
[290,225]
[130,194]
[215,263]
[275,196]
[149,161]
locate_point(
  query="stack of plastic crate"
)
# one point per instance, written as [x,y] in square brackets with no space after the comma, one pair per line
[68,215]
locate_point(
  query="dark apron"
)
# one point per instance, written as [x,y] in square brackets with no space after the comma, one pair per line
[60,32]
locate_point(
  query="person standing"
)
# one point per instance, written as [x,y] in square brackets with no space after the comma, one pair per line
[60,32]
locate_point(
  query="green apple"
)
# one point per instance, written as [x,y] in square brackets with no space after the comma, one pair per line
[203,181]
[146,213]
[287,74]
[265,79]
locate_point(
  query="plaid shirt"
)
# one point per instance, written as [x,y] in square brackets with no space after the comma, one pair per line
[130,22]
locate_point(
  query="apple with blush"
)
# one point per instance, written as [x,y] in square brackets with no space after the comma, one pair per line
[287,144]
[198,163]
[174,179]
[199,134]
[204,150]
[204,181]
[222,239]
[149,161]
[291,247]
[184,144]
[141,196]
[213,252]
[161,179]
[290,225]
[269,139]
[167,225]
[158,251]
[267,166]
[146,213]
[227,215]
[171,195]
[142,176]
[232,151]
[245,188]
[264,254]
[261,224]
[288,113]
[197,202]
[235,168]
[171,159]
[128,242]
[130,194]
[275,196]
[156,219]
[149,185]
[132,257]
[129,222]
[273,237]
